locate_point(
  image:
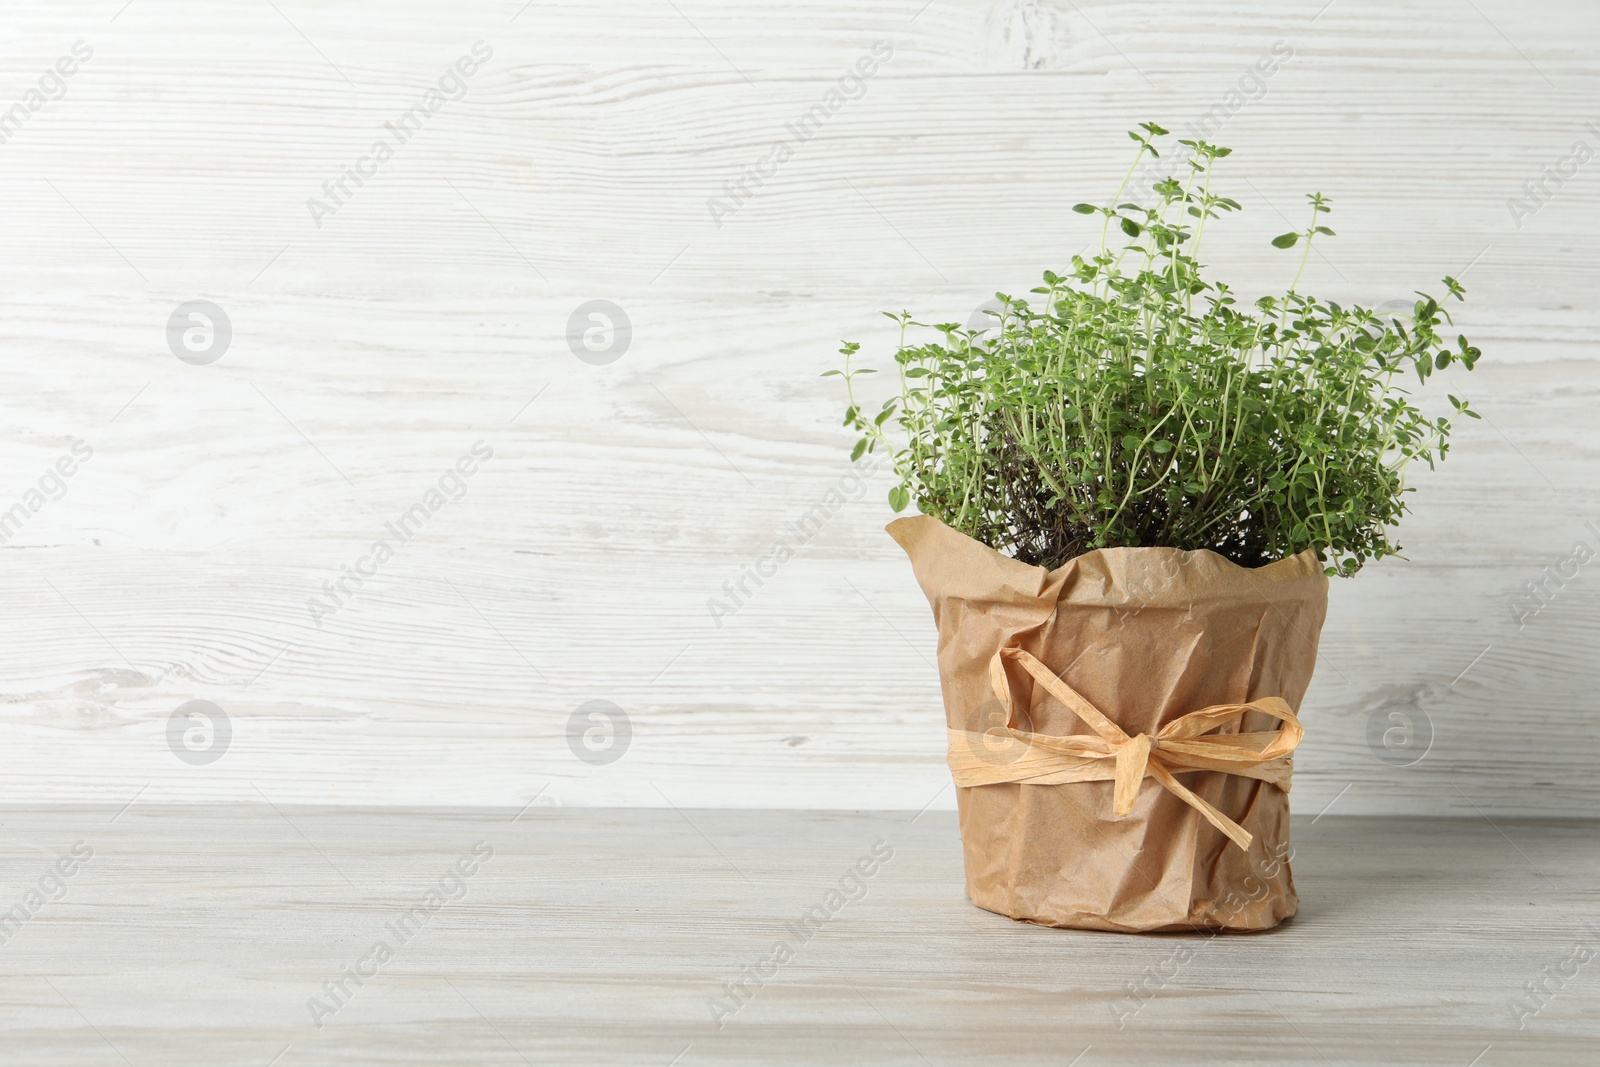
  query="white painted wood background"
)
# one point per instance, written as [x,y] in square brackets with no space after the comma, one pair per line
[430,313]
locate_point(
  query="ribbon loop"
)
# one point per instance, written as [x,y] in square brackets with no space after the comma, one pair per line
[1185,744]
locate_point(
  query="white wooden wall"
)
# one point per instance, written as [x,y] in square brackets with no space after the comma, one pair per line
[430,312]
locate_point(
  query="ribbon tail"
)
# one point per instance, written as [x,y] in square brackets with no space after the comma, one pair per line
[1133,763]
[1236,833]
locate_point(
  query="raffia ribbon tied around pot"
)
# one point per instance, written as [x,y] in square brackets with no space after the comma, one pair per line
[1008,754]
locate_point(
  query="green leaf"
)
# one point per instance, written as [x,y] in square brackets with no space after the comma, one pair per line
[1161,448]
[899,498]
[1285,240]
[1131,228]
[1085,209]
[858,451]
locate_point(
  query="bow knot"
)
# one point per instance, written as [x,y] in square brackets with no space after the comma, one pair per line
[1185,744]
[1133,764]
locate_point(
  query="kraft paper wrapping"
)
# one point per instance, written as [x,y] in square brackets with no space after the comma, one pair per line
[1144,637]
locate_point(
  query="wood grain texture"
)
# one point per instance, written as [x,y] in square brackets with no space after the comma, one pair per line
[203,934]
[430,312]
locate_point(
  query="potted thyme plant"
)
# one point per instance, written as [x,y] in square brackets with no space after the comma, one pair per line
[1133,490]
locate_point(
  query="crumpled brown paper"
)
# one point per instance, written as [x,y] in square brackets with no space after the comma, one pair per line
[1145,635]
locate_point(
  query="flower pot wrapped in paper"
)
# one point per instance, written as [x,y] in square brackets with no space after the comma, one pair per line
[1133,489]
[1181,670]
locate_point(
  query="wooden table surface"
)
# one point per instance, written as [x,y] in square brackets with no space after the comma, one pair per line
[217,936]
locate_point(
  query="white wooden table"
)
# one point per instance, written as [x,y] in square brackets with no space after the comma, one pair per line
[198,936]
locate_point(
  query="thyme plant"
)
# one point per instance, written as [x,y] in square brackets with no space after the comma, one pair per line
[1135,403]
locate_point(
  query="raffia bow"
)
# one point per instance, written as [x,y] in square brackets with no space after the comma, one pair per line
[1006,754]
